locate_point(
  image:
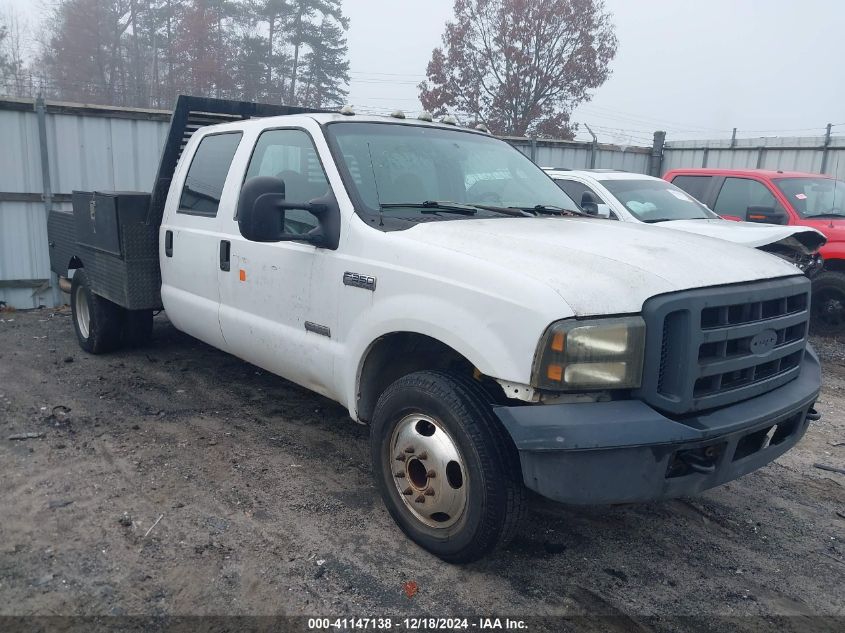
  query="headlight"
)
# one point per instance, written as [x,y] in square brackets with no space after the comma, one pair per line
[599,354]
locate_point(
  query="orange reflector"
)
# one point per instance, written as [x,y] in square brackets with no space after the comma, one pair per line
[554,372]
[557,342]
[243,275]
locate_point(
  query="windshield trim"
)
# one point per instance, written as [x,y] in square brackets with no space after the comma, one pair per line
[392,222]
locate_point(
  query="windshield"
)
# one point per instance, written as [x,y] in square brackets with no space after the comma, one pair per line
[814,197]
[390,165]
[657,200]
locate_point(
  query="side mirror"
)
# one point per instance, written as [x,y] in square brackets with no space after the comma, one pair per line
[261,214]
[766,215]
[589,204]
[603,211]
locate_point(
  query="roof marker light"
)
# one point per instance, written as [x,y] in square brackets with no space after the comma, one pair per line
[449,120]
[425,115]
[482,128]
[347,110]
[397,114]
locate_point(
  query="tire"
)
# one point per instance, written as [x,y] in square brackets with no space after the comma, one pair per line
[828,305]
[447,470]
[137,327]
[97,321]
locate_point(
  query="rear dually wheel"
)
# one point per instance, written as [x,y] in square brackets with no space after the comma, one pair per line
[97,321]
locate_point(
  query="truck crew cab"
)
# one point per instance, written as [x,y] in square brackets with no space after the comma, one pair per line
[419,274]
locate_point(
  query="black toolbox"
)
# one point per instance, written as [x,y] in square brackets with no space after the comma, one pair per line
[112,241]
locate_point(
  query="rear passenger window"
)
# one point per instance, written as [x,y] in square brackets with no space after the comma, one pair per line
[696,186]
[290,156]
[738,194]
[207,174]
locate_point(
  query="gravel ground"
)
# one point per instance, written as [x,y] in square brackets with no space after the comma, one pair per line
[178,480]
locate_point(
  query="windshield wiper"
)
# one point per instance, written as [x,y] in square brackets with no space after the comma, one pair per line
[652,221]
[550,209]
[829,214]
[434,206]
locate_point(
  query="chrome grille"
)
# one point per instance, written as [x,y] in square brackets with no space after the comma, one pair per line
[721,345]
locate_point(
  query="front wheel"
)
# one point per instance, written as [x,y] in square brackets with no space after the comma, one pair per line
[828,303]
[447,471]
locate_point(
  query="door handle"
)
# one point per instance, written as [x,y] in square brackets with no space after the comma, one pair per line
[225,254]
[168,243]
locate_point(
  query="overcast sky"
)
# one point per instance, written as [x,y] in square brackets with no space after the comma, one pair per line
[695,68]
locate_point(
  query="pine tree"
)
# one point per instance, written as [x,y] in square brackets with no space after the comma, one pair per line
[327,69]
[304,31]
[145,52]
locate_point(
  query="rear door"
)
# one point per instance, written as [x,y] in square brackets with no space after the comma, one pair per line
[190,241]
[699,187]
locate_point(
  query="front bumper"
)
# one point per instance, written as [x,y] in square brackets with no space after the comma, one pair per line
[625,451]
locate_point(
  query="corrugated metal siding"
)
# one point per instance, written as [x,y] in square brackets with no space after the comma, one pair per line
[111,154]
[23,253]
[787,153]
[576,155]
[85,152]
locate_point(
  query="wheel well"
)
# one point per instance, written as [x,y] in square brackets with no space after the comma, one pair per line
[398,354]
[834,265]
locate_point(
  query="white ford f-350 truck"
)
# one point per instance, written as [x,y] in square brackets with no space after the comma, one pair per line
[440,286]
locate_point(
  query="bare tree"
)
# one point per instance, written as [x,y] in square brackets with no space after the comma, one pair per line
[14,78]
[520,66]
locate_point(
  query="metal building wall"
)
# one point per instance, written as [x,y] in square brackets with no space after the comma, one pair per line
[578,155]
[787,153]
[87,148]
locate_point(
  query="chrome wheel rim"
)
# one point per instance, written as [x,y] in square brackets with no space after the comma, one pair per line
[428,471]
[83,314]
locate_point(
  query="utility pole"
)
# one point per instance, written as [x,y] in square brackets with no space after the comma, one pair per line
[593,147]
[825,147]
[656,160]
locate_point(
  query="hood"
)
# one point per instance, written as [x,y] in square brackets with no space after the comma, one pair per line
[805,240]
[599,267]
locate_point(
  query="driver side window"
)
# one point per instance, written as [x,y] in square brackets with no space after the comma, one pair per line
[738,194]
[290,156]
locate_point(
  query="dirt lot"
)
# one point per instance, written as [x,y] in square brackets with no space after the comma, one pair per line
[267,506]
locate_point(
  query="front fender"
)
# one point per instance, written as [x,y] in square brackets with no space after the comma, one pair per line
[499,346]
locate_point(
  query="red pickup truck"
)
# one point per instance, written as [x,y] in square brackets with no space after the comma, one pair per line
[783,197]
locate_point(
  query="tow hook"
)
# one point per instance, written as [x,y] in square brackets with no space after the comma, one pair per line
[700,460]
[813,415]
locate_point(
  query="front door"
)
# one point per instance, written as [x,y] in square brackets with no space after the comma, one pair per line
[268,311]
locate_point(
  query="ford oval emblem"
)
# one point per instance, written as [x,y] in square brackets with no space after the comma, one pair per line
[764,342]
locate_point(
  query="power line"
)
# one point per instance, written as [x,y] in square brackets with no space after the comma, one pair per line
[646,119]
